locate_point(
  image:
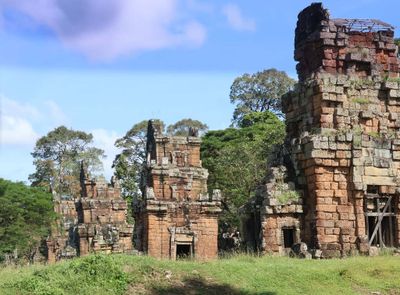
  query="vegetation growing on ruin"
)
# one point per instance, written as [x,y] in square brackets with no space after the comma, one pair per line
[374,134]
[288,196]
[360,100]
[362,82]
[241,274]
[392,79]
[325,132]
[383,136]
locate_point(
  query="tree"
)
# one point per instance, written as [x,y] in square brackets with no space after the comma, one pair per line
[259,92]
[236,159]
[183,127]
[26,214]
[57,158]
[129,163]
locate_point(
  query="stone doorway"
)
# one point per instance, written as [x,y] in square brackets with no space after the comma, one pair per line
[182,243]
[184,251]
[289,237]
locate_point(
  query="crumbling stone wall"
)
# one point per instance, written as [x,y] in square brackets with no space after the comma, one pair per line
[343,46]
[102,223]
[280,212]
[176,215]
[93,222]
[343,141]
[63,241]
[343,128]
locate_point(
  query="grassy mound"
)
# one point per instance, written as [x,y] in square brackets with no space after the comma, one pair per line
[123,274]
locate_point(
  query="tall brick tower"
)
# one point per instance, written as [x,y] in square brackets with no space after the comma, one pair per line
[343,123]
[177,217]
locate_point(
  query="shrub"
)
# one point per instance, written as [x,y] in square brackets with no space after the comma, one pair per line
[95,274]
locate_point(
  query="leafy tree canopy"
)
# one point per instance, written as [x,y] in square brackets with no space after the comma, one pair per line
[182,127]
[259,92]
[236,158]
[57,158]
[26,214]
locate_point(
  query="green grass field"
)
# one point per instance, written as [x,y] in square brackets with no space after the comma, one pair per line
[242,274]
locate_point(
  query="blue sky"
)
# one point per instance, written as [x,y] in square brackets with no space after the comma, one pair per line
[101,66]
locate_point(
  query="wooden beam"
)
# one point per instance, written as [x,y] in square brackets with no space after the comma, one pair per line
[375,214]
[381,244]
[380,218]
[390,228]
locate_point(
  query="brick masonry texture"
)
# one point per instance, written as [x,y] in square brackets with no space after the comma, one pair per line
[93,222]
[176,210]
[342,123]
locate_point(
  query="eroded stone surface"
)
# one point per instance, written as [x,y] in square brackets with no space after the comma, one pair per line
[94,222]
[342,123]
[177,217]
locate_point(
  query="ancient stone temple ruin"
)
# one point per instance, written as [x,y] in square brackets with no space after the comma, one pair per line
[177,217]
[93,222]
[337,186]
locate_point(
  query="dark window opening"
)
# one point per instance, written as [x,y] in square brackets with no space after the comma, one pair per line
[288,237]
[372,189]
[363,69]
[183,251]
[385,234]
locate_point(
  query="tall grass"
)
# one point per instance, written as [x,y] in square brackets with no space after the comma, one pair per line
[241,274]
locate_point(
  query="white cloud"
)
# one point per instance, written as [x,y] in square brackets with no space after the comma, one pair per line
[15,125]
[16,130]
[13,107]
[104,29]
[105,139]
[236,19]
[19,121]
